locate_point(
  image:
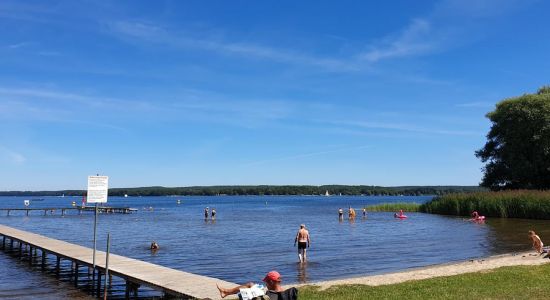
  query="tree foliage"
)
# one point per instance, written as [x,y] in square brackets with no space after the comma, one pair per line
[260,190]
[517,151]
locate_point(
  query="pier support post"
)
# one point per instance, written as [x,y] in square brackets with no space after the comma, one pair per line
[98,283]
[62,212]
[57,266]
[45,212]
[43,259]
[20,249]
[30,256]
[11,244]
[27,212]
[131,288]
[76,274]
[3,242]
[8,213]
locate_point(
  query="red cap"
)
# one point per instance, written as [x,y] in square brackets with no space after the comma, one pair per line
[273,276]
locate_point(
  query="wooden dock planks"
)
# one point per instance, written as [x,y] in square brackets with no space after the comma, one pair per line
[171,281]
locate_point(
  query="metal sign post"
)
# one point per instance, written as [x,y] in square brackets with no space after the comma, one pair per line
[95,231]
[98,187]
[107,266]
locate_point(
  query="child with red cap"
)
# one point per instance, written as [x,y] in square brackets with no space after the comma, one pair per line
[273,289]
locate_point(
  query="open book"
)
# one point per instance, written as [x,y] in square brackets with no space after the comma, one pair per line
[249,293]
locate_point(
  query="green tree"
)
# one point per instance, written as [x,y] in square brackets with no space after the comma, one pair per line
[517,152]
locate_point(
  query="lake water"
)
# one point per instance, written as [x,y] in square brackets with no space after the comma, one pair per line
[253,235]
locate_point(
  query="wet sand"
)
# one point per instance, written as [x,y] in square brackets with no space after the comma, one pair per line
[470,266]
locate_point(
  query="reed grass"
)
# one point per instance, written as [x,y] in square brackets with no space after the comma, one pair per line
[527,204]
[394,207]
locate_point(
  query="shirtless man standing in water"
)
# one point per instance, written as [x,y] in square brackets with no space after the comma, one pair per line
[302,237]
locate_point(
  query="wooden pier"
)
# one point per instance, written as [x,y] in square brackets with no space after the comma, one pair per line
[80,209]
[172,283]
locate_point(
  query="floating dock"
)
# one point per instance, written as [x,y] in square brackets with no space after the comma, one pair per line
[48,253]
[80,209]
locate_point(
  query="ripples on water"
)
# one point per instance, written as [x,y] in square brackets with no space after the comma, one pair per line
[253,235]
[19,281]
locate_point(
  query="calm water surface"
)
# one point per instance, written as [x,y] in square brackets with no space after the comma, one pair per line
[253,235]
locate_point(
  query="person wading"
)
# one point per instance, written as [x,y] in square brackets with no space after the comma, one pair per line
[302,238]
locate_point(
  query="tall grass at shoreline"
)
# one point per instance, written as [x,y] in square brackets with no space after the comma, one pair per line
[394,207]
[527,204]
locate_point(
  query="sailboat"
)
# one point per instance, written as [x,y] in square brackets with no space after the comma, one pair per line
[327,194]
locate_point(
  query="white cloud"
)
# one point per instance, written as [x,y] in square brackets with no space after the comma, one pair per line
[18,45]
[156,34]
[405,127]
[415,39]
[12,156]
[191,105]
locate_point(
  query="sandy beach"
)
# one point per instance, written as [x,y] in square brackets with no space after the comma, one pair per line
[470,266]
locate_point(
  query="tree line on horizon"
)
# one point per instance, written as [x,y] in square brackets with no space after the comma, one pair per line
[261,190]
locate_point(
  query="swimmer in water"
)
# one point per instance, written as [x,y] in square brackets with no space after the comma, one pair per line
[154,246]
[206,212]
[213,213]
[340,213]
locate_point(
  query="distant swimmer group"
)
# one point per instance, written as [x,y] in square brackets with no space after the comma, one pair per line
[212,213]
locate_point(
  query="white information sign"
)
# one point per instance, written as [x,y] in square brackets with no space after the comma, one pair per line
[98,187]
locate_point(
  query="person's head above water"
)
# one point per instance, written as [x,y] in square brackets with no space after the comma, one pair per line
[302,225]
[154,245]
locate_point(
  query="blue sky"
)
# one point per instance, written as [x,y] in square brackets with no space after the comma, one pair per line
[179,93]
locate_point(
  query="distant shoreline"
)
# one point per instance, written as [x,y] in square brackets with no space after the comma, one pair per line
[263,190]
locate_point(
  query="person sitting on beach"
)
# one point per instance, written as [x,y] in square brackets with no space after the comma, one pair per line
[273,290]
[537,242]
[154,246]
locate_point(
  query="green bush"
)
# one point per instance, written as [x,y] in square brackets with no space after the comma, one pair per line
[527,204]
